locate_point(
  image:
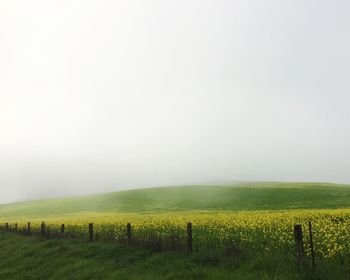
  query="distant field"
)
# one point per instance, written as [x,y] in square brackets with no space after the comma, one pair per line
[244,196]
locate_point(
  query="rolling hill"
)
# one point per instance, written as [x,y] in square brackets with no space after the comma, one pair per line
[237,197]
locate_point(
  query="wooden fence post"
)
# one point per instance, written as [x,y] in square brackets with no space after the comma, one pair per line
[299,246]
[128,232]
[62,229]
[189,237]
[7,226]
[43,228]
[28,228]
[311,245]
[91,232]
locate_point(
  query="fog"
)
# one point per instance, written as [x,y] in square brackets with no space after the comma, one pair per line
[99,96]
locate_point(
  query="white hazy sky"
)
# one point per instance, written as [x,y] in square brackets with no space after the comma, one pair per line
[101,95]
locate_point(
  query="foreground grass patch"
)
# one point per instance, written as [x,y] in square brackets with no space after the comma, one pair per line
[25,257]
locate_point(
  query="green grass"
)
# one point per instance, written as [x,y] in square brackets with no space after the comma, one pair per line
[25,257]
[244,196]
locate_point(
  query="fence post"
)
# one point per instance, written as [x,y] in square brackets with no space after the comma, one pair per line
[62,229]
[299,246]
[311,245]
[43,228]
[7,226]
[16,226]
[91,232]
[28,228]
[189,237]
[128,232]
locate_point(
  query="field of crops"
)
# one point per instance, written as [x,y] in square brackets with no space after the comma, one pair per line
[241,232]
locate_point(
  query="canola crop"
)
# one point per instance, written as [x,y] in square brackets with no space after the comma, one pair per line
[254,231]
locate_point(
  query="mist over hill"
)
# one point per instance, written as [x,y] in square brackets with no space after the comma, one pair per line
[202,198]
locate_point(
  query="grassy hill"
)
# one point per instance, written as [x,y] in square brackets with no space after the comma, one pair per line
[38,257]
[243,196]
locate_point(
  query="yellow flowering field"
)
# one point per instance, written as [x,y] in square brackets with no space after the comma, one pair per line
[253,231]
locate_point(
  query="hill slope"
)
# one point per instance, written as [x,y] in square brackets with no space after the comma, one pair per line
[244,196]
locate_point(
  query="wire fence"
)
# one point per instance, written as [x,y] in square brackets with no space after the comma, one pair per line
[185,239]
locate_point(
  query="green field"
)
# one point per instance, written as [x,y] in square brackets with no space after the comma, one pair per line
[33,258]
[241,231]
[237,197]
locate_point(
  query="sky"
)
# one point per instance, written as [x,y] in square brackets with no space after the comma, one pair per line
[104,95]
